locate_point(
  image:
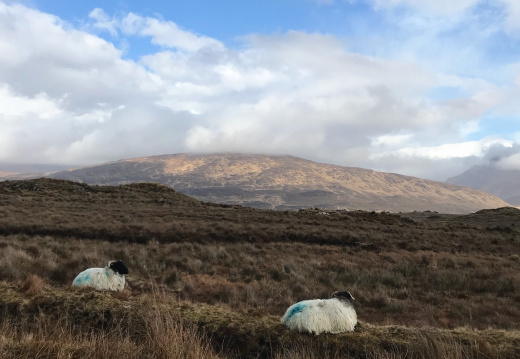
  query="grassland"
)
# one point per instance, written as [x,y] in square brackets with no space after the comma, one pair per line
[212,281]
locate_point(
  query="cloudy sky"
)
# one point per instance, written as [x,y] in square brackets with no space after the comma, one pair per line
[426,88]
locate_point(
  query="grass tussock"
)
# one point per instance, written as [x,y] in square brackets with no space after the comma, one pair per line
[33,285]
[167,336]
[157,334]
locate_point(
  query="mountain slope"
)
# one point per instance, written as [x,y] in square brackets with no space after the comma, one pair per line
[286,182]
[500,182]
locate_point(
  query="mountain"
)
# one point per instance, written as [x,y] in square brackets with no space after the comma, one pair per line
[500,182]
[286,182]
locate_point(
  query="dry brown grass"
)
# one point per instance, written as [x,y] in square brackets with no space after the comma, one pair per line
[158,334]
[420,288]
[86,324]
[436,271]
[33,285]
[147,212]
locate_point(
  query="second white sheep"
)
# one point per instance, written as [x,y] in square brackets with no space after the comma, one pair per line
[316,316]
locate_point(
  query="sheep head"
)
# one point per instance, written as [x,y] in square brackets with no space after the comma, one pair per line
[343,296]
[118,267]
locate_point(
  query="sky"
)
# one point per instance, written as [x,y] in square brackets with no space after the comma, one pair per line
[425,88]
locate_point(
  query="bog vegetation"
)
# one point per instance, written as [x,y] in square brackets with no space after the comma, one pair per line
[212,281]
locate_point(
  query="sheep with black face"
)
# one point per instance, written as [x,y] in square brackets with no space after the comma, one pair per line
[110,278]
[316,316]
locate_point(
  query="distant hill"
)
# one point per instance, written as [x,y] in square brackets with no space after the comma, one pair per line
[28,171]
[500,182]
[6,176]
[286,182]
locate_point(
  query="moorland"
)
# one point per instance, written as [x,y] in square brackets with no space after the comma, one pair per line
[212,280]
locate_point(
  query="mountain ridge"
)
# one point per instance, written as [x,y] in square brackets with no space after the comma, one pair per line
[285,182]
[502,183]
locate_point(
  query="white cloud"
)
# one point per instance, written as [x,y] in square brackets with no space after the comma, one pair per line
[163,33]
[448,160]
[512,8]
[14,105]
[103,22]
[450,150]
[391,140]
[450,38]
[511,163]
[442,7]
[293,93]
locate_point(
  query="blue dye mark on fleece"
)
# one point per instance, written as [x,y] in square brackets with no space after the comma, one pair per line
[298,307]
[83,279]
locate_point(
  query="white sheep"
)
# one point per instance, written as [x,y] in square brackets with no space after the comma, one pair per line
[334,315]
[110,278]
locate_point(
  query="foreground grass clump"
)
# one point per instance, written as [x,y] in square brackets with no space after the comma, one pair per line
[66,322]
[86,324]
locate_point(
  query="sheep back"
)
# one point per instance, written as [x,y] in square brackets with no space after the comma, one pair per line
[321,316]
[100,279]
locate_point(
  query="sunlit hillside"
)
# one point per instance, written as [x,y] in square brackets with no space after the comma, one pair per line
[286,182]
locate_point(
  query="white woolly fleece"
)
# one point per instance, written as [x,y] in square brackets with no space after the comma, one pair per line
[100,279]
[321,316]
